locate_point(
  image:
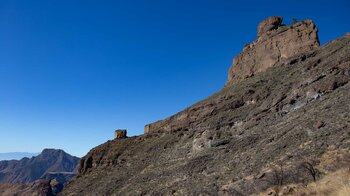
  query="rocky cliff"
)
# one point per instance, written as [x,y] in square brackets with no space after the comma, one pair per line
[276,43]
[280,117]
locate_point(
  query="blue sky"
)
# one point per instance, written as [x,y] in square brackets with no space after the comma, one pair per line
[73,71]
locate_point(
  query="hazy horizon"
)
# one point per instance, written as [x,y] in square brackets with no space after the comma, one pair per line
[16,155]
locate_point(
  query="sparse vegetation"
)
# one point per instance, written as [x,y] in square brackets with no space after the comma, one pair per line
[278,174]
[308,166]
[334,184]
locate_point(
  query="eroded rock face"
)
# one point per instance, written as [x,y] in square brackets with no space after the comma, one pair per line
[275,43]
[120,133]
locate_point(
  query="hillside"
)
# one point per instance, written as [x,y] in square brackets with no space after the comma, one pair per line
[37,188]
[282,118]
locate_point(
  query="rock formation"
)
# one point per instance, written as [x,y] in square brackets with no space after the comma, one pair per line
[255,134]
[275,42]
[269,24]
[120,133]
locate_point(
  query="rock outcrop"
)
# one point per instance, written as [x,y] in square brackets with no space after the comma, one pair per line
[120,134]
[271,23]
[238,140]
[275,42]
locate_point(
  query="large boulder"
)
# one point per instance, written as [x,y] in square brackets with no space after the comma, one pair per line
[120,133]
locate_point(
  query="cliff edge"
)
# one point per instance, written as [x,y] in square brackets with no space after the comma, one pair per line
[275,44]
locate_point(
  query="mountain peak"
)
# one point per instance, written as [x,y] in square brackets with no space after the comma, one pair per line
[51,150]
[28,170]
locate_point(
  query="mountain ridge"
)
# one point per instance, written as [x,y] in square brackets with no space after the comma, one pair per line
[266,130]
[28,170]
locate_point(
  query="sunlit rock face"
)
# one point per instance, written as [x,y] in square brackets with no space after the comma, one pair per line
[275,42]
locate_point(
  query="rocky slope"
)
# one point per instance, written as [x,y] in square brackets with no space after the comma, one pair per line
[49,162]
[272,126]
[37,188]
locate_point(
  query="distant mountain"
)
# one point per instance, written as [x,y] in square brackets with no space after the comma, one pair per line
[50,162]
[16,155]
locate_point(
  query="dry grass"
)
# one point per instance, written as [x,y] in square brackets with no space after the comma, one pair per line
[332,184]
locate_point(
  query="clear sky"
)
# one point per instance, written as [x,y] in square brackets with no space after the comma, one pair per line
[71,72]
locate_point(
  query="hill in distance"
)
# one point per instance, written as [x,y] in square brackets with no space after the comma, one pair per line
[27,170]
[16,155]
[44,174]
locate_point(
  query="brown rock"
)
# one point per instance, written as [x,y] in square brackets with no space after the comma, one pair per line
[319,124]
[269,24]
[272,47]
[120,133]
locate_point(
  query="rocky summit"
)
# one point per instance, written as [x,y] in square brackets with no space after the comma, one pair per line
[280,124]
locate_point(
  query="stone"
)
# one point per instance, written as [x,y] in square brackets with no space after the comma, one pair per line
[319,124]
[120,133]
[275,43]
[269,24]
